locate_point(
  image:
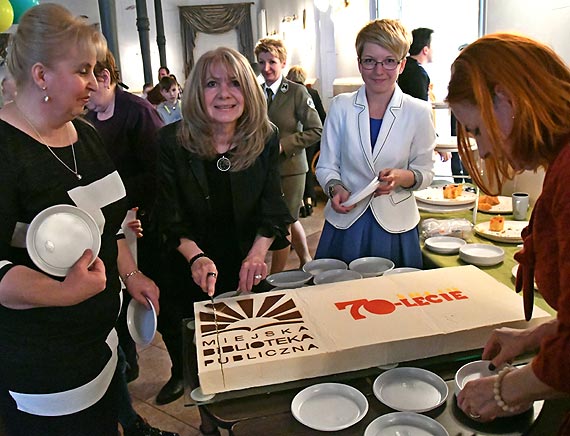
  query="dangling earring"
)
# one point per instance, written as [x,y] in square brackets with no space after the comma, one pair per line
[46,97]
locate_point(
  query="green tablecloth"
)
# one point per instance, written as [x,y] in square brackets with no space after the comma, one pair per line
[502,272]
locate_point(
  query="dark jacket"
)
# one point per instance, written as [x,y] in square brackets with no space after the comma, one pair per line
[184,205]
[414,80]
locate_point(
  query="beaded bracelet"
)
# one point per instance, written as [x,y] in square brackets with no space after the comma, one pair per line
[132,273]
[497,390]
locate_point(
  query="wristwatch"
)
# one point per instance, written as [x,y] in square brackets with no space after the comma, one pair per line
[331,190]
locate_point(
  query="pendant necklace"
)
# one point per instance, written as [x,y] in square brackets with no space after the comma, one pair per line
[223,163]
[42,141]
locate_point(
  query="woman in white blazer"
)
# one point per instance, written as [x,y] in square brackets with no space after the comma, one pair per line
[376,132]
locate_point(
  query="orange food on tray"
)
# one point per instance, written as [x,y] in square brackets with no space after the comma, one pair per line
[452,191]
[497,224]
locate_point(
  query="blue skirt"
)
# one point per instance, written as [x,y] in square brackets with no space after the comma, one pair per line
[367,238]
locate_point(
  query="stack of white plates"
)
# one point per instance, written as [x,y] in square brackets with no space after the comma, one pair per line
[431,200]
[481,254]
[318,266]
[289,279]
[336,275]
[444,244]
[371,266]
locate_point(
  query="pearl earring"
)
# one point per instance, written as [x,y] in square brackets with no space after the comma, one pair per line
[46,97]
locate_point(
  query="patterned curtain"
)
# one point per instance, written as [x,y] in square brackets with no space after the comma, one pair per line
[216,19]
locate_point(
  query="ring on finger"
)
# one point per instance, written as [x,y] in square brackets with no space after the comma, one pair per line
[211,274]
[474,415]
[257,276]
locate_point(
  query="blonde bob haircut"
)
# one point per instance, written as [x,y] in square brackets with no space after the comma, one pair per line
[45,35]
[387,33]
[297,74]
[536,80]
[253,127]
[271,45]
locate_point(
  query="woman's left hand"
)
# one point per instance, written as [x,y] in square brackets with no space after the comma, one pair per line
[253,270]
[141,287]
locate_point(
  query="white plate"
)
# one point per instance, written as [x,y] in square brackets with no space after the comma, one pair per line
[511,232]
[434,195]
[289,279]
[505,206]
[336,275]
[371,266]
[317,266]
[141,322]
[432,208]
[329,406]
[472,371]
[481,254]
[226,295]
[199,396]
[410,389]
[362,194]
[59,235]
[444,244]
[405,424]
[401,270]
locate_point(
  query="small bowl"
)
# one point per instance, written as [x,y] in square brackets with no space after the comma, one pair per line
[401,270]
[336,275]
[481,254]
[472,371]
[289,279]
[318,266]
[371,266]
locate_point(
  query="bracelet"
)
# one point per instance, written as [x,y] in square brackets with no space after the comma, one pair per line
[132,273]
[497,390]
[195,258]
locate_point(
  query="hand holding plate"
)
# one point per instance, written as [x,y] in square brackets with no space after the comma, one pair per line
[83,281]
[141,287]
[340,196]
[505,344]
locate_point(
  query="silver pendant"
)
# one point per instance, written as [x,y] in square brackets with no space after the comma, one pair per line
[78,176]
[223,164]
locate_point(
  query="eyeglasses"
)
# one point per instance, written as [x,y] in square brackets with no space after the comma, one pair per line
[388,64]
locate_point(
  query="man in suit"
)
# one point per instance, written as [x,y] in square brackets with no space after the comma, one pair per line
[291,109]
[414,80]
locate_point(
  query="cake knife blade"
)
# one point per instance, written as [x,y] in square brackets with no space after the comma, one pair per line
[218,340]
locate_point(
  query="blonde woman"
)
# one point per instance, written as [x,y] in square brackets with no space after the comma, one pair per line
[220,203]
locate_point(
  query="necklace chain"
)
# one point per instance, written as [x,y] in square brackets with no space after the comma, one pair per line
[43,141]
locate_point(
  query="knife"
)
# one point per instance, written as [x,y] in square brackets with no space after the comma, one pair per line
[218,340]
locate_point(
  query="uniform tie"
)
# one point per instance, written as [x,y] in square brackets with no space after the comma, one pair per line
[269,96]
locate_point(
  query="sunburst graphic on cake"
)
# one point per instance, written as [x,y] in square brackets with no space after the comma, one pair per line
[249,315]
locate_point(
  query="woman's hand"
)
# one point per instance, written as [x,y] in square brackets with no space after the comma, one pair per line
[141,287]
[135,225]
[83,281]
[253,270]
[505,344]
[340,196]
[205,274]
[391,178]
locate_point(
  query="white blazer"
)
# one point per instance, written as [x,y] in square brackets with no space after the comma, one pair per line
[406,140]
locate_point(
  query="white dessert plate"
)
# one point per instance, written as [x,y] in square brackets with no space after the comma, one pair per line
[289,279]
[59,235]
[336,275]
[141,322]
[432,208]
[317,266]
[401,270]
[511,233]
[434,195]
[410,389]
[444,244]
[371,266]
[472,371]
[227,295]
[199,396]
[362,194]
[505,206]
[405,424]
[329,406]
[514,273]
[481,254]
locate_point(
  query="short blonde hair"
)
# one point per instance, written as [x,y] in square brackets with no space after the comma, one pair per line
[387,33]
[253,127]
[45,34]
[273,46]
[297,74]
